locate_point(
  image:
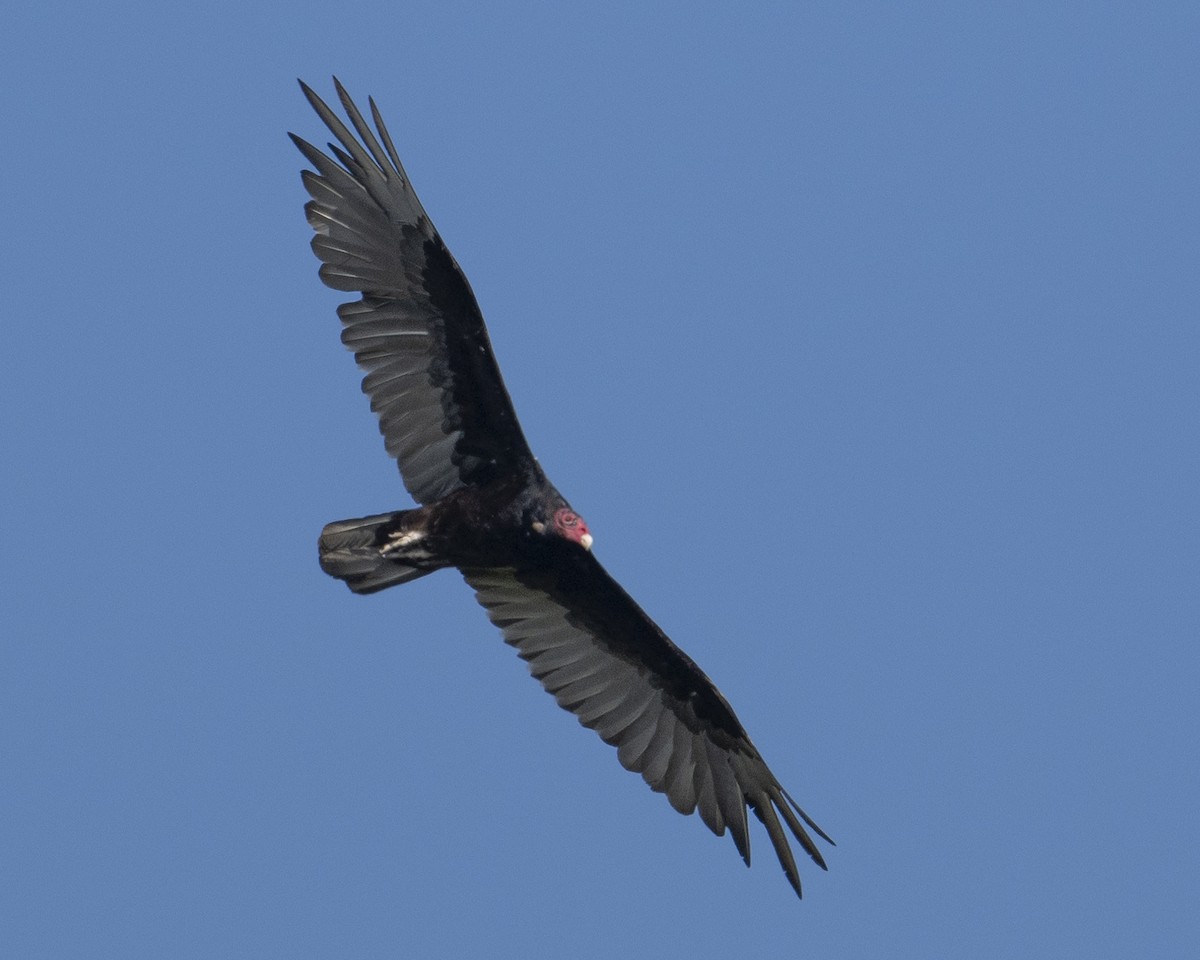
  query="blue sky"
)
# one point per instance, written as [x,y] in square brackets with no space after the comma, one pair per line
[864,335]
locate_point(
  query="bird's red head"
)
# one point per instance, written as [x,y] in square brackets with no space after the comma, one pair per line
[571,526]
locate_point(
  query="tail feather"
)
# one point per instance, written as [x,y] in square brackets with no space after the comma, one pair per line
[351,550]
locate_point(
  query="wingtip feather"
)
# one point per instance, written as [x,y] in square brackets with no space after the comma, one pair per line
[766,813]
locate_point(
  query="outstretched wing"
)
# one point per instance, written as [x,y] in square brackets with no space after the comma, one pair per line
[417,331]
[608,663]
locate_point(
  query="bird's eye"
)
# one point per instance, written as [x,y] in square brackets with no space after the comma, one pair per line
[569,519]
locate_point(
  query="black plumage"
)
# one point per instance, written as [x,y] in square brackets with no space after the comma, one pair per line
[488,509]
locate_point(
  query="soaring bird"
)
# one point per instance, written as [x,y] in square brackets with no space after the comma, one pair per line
[487,508]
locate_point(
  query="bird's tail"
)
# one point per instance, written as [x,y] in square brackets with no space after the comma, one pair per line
[372,553]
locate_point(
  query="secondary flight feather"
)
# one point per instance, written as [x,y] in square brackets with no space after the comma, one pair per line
[487,508]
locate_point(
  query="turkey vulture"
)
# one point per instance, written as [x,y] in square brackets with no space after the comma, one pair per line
[487,508]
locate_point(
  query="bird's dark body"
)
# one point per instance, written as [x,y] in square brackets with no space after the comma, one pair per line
[488,526]
[487,509]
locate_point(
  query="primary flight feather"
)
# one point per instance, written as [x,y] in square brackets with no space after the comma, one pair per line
[488,509]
